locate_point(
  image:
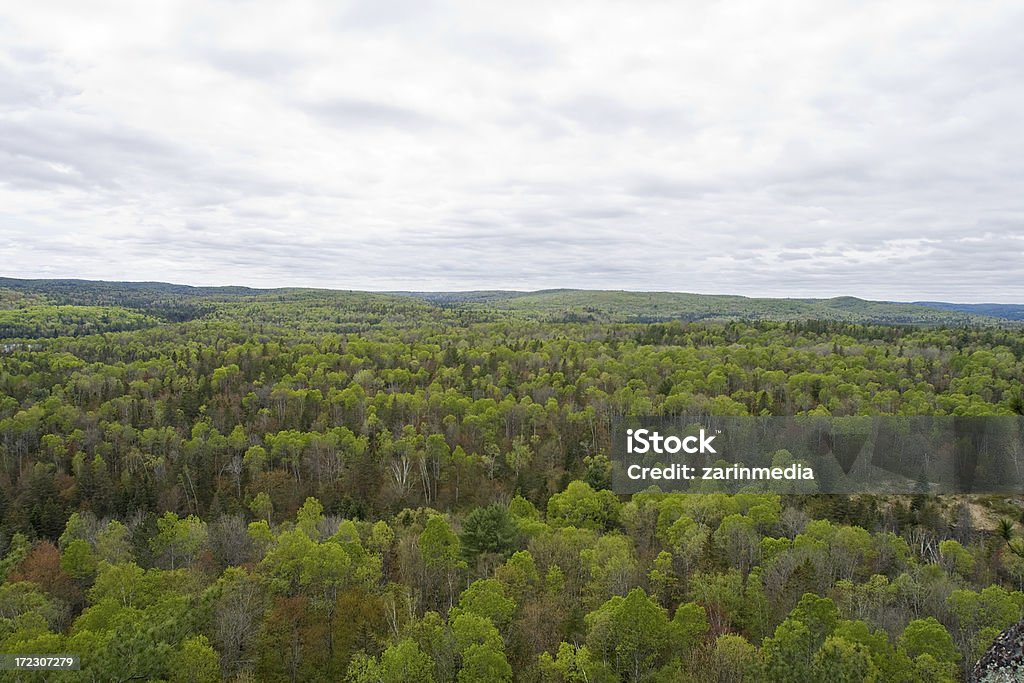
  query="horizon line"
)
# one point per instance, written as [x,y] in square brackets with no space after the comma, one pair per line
[818,297]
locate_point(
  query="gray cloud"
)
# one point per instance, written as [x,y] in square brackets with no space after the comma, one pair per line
[726,147]
[604,114]
[260,64]
[352,113]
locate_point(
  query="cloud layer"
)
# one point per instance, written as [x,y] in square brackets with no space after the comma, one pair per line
[775,149]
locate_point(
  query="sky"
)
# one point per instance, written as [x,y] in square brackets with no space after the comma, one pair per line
[872,149]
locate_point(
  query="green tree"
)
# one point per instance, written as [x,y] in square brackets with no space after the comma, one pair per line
[581,506]
[788,653]
[194,662]
[841,661]
[78,559]
[690,625]
[113,543]
[928,636]
[486,598]
[440,549]
[487,530]
[309,517]
[401,662]
[484,664]
[470,629]
[574,664]
[734,660]
[631,634]
[178,540]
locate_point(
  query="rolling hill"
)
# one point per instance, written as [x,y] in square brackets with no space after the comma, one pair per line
[337,309]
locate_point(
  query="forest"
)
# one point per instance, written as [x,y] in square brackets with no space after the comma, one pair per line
[304,485]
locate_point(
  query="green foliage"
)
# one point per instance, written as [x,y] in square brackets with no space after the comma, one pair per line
[844,662]
[574,664]
[486,598]
[195,662]
[518,575]
[956,557]
[929,637]
[611,565]
[123,584]
[78,559]
[820,615]
[25,611]
[439,545]
[581,506]
[568,304]
[484,664]
[930,669]
[403,661]
[487,530]
[722,594]
[302,485]
[309,517]
[17,551]
[113,543]
[736,660]
[891,663]
[470,629]
[53,321]
[261,505]
[690,623]
[632,635]
[178,540]
[792,653]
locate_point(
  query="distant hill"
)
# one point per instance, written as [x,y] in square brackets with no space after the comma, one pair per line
[325,309]
[1005,311]
[626,306]
[171,303]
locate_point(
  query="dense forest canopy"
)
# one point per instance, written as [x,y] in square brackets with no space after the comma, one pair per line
[284,485]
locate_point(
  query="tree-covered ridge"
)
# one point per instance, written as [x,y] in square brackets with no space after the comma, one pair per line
[39,321]
[253,496]
[1007,311]
[170,303]
[11,299]
[323,310]
[320,311]
[622,306]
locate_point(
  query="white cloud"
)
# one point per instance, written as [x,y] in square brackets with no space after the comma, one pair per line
[799,149]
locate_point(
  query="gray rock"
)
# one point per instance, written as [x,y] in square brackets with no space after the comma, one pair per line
[1003,662]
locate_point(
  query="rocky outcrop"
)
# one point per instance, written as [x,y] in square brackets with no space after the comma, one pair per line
[1003,662]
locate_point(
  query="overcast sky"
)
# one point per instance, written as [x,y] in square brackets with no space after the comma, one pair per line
[759,148]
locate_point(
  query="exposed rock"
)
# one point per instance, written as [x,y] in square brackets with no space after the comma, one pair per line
[1003,662]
